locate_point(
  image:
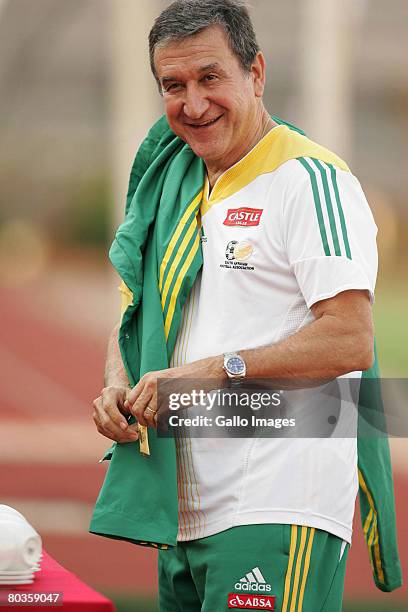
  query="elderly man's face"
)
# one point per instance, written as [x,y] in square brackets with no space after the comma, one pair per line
[210,102]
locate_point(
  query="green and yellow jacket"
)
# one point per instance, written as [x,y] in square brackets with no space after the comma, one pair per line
[159,239]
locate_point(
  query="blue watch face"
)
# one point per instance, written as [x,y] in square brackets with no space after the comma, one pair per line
[235,365]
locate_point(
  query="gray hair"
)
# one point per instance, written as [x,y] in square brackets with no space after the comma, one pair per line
[185,18]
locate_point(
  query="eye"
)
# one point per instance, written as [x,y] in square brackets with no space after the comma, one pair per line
[210,77]
[172,87]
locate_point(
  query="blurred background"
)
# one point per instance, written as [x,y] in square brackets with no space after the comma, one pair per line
[76,98]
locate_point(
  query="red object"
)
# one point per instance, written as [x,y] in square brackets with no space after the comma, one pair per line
[53,578]
[239,601]
[243,217]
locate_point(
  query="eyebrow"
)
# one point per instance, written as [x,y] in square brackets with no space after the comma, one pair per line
[213,66]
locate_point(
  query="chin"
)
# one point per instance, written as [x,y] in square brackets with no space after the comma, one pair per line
[206,153]
[208,150]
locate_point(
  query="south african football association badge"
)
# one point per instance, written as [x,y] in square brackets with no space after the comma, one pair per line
[237,254]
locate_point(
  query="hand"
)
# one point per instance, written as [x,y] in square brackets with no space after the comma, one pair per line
[141,401]
[108,415]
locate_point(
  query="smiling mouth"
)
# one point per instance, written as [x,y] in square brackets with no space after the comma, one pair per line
[204,125]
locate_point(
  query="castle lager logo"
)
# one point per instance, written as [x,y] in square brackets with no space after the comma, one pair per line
[243,217]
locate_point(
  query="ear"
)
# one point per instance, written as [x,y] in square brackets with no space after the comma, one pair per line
[258,71]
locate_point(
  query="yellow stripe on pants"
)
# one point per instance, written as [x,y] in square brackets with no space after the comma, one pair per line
[295,561]
[306,569]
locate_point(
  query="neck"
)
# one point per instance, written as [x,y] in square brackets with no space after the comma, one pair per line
[261,128]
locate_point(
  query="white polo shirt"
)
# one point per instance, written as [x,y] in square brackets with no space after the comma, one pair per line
[277,238]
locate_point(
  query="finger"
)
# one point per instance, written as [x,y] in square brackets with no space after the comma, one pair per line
[150,414]
[108,427]
[97,415]
[131,435]
[112,402]
[139,407]
[124,438]
[134,393]
[133,429]
[96,403]
[107,417]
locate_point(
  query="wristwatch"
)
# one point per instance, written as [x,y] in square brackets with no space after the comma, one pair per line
[234,367]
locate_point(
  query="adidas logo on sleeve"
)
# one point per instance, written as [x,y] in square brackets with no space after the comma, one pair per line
[253,581]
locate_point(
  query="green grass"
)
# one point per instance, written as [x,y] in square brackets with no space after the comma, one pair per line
[390,316]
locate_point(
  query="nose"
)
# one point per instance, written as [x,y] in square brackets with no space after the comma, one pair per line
[195,103]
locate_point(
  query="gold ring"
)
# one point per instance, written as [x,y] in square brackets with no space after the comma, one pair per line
[151,409]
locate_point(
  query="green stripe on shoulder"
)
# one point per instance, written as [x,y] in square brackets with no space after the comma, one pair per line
[333,174]
[318,205]
[339,235]
[329,206]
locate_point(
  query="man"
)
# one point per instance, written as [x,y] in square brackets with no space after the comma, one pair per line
[264,523]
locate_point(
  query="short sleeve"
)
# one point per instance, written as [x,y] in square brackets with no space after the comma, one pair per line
[329,231]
